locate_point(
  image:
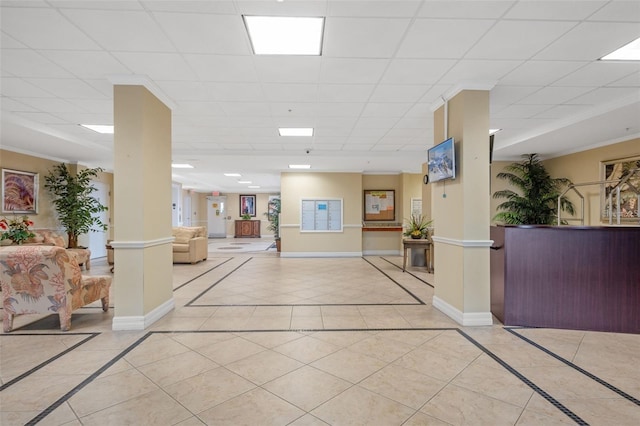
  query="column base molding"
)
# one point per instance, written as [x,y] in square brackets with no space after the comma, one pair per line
[140,322]
[466,319]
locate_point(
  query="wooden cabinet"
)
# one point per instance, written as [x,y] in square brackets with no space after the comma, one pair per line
[247,229]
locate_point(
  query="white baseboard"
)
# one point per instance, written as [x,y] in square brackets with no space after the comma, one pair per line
[132,323]
[466,319]
[321,254]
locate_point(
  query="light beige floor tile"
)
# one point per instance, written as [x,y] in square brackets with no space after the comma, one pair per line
[306,349]
[308,420]
[266,408]
[358,406]
[35,393]
[347,322]
[271,339]
[380,347]
[198,340]
[209,389]
[176,368]
[192,421]
[231,350]
[153,408]
[267,323]
[566,383]
[540,408]
[343,339]
[156,347]
[617,411]
[456,405]
[307,323]
[306,311]
[349,365]
[433,364]
[307,387]
[264,366]
[421,419]
[405,386]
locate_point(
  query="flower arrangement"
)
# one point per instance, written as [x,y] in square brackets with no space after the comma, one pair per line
[417,226]
[16,229]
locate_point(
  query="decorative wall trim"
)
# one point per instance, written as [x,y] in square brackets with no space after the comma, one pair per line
[141,244]
[143,80]
[321,254]
[139,322]
[297,225]
[462,243]
[467,319]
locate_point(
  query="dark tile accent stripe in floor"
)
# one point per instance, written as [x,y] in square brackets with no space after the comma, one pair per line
[50,360]
[407,272]
[204,273]
[573,416]
[121,355]
[575,367]
[395,282]
[190,302]
[86,381]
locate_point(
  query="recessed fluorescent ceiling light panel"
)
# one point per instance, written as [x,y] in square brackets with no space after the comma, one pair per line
[105,129]
[181,166]
[629,52]
[299,166]
[285,35]
[493,131]
[295,131]
[233,174]
[253,186]
[245,182]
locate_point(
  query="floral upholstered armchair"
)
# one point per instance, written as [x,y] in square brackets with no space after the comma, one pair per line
[46,279]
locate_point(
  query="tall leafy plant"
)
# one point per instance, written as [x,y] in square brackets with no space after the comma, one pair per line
[273,215]
[537,201]
[73,201]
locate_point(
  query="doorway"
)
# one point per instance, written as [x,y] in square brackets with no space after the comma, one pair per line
[98,238]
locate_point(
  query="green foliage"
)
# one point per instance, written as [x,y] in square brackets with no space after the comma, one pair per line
[73,201]
[16,229]
[246,216]
[273,215]
[417,225]
[538,202]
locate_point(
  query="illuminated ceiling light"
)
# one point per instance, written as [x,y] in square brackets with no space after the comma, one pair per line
[299,166]
[233,174]
[628,52]
[295,131]
[253,186]
[181,166]
[493,131]
[285,35]
[244,182]
[100,128]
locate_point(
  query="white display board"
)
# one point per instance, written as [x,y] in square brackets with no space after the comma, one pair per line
[321,215]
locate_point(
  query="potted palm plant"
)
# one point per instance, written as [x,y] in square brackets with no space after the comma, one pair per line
[537,202]
[273,216]
[73,201]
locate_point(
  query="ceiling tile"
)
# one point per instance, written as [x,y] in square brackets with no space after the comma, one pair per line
[472,70]
[293,109]
[197,6]
[517,39]
[362,38]
[599,74]
[506,95]
[442,39]
[8,42]
[240,109]
[186,90]
[369,132]
[9,105]
[280,92]
[67,88]
[540,73]
[287,69]
[222,68]
[624,11]
[44,29]
[20,88]
[553,10]
[425,122]
[339,109]
[375,123]
[284,8]
[416,71]
[632,80]
[590,41]
[336,122]
[398,93]
[28,63]
[464,9]
[520,111]
[157,66]
[357,71]
[199,108]
[554,95]
[562,111]
[136,31]
[344,92]
[86,64]
[604,95]
[53,105]
[387,109]
[205,33]
[247,92]
[384,9]
[96,4]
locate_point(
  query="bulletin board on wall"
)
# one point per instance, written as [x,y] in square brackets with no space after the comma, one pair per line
[379,205]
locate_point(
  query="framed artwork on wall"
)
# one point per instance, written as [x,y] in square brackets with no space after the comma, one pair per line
[19,192]
[624,173]
[248,205]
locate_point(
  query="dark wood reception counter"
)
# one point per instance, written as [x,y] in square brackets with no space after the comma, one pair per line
[582,278]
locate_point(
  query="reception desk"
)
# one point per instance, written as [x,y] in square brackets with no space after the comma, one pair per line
[582,278]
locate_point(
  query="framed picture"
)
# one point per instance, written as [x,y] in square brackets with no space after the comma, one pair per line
[19,192]
[615,171]
[248,205]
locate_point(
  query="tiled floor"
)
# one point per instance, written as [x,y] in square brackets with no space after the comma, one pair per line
[260,340]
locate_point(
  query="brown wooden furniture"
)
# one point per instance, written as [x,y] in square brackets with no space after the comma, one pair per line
[247,229]
[408,243]
[581,278]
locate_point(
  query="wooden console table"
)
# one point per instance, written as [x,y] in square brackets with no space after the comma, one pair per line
[247,229]
[408,243]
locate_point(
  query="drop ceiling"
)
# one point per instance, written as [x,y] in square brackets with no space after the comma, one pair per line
[385,66]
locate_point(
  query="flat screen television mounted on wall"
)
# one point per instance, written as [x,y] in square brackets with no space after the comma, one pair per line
[441,160]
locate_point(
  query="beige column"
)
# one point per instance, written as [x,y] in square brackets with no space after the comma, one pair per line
[461,212]
[142,208]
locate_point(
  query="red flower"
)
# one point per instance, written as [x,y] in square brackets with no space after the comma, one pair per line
[3,225]
[29,223]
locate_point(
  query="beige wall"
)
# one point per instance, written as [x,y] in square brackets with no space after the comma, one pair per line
[46,217]
[296,186]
